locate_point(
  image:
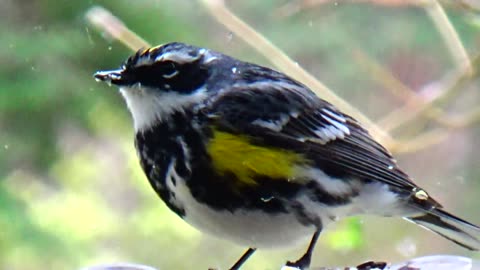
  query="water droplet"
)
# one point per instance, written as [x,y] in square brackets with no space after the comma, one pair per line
[234,70]
[6,146]
[109,48]
[390,167]
[230,36]
[407,247]
[460,179]
[89,36]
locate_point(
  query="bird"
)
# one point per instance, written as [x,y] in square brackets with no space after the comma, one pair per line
[248,154]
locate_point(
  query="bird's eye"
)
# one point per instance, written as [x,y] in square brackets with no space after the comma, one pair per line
[169,70]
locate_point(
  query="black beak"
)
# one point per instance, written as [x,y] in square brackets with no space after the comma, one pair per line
[111,77]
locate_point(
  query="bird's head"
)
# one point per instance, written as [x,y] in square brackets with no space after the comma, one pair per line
[162,80]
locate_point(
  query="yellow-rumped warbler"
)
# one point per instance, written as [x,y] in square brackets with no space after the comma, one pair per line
[248,154]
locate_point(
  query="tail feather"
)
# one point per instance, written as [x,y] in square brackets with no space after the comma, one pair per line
[453,228]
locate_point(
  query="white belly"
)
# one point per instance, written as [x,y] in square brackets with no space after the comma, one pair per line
[265,230]
[252,228]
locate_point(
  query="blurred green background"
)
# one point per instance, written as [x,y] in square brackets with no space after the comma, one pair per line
[72,193]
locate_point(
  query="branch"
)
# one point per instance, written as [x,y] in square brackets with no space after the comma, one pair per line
[444,91]
[111,26]
[449,35]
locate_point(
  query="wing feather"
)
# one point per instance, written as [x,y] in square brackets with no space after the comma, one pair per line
[309,125]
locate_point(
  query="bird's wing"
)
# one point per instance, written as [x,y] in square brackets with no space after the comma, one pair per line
[292,117]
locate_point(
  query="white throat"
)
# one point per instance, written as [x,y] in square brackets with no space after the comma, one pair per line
[150,106]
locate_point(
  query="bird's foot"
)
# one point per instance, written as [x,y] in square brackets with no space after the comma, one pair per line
[302,263]
[372,265]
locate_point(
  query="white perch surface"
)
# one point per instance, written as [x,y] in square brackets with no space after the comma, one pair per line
[435,262]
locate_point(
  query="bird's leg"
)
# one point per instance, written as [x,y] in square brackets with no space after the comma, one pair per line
[304,262]
[243,259]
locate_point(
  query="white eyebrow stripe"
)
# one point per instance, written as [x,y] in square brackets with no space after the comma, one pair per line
[177,57]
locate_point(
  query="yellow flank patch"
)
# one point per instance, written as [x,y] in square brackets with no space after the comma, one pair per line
[235,154]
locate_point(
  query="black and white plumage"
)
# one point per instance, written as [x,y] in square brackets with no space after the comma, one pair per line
[249,154]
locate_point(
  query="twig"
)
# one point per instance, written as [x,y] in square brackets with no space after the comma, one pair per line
[450,36]
[413,100]
[417,106]
[383,76]
[464,4]
[422,141]
[105,22]
[293,7]
[448,87]
[465,119]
